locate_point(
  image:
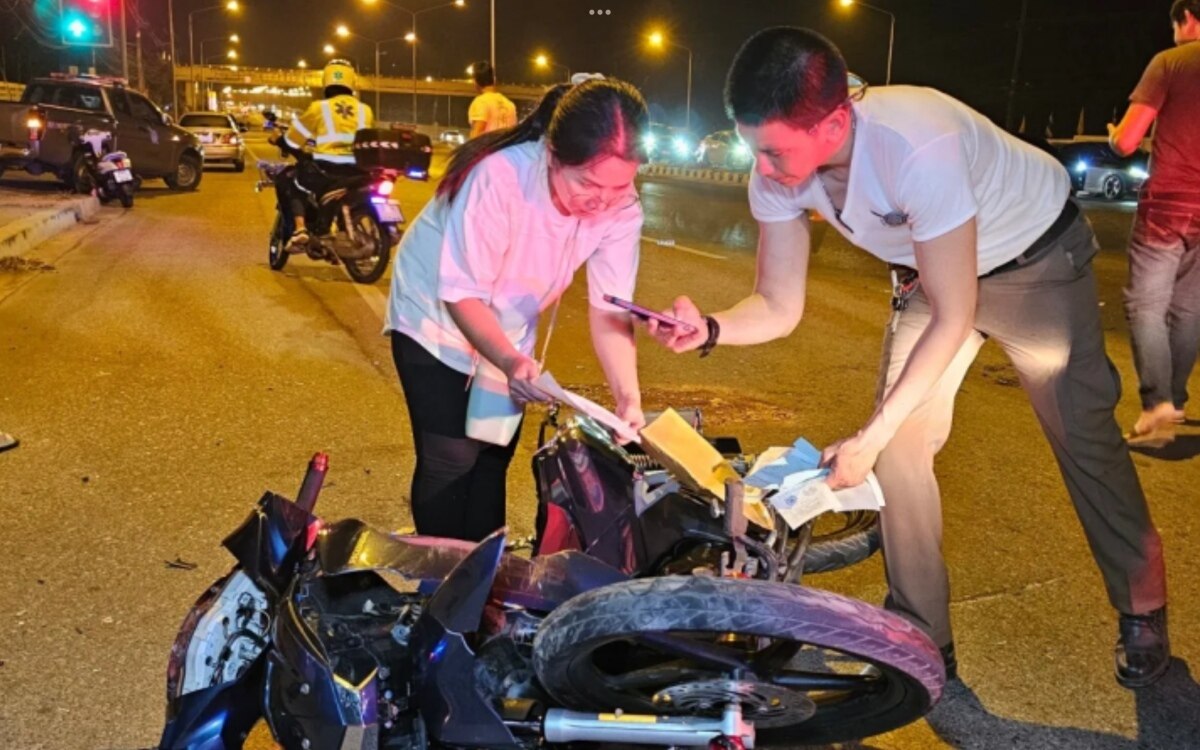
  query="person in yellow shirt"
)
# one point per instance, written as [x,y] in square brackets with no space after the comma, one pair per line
[326,131]
[490,110]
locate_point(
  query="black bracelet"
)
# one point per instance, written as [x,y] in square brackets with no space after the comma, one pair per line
[714,331]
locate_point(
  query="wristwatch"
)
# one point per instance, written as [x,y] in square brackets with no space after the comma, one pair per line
[714,331]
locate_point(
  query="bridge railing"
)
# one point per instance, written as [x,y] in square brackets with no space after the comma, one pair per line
[293,77]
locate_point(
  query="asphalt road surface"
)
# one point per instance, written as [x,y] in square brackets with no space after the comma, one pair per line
[161,377]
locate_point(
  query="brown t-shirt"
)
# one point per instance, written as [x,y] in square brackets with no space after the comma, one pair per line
[1171,84]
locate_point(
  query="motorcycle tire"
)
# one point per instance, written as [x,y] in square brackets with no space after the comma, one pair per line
[619,646]
[276,257]
[841,540]
[369,270]
[126,196]
[82,181]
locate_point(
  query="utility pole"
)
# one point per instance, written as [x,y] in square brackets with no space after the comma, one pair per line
[1012,83]
[141,73]
[124,45]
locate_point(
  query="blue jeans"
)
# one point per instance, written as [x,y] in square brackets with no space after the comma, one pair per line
[1162,299]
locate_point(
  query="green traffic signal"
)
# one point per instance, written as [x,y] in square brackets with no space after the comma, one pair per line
[86,23]
[76,28]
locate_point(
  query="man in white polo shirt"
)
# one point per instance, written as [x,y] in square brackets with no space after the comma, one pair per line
[984,243]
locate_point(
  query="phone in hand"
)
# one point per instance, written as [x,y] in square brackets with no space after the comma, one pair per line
[638,311]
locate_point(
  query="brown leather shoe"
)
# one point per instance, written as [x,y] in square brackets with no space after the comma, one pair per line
[1143,650]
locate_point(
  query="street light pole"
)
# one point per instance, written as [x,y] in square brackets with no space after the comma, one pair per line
[891,33]
[174,84]
[688,116]
[415,39]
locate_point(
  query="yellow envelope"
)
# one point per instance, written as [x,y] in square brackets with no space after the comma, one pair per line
[692,460]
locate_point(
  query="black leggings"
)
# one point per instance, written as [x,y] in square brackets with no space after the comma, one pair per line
[458,488]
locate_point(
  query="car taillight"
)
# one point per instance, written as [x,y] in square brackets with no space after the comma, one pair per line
[119,163]
[384,187]
[36,124]
[230,138]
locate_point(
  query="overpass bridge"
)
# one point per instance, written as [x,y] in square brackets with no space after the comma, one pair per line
[287,78]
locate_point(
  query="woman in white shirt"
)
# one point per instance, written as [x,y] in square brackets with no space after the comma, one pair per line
[517,213]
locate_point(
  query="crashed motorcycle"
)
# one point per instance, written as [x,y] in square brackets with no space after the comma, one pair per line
[365,219]
[342,636]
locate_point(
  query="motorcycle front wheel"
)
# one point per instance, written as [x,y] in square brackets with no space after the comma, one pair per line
[377,240]
[276,257]
[807,666]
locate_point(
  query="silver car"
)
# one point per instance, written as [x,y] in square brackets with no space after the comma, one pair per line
[220,137]
[724,150]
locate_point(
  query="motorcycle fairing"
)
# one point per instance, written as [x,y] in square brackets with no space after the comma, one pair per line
[268,545]
[540,584]
[305,699]
[453,710]
[215,718]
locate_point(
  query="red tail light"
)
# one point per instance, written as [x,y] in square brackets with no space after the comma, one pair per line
[385,188]
[36,124]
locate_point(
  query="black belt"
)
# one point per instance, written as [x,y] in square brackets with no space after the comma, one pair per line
[1069,213]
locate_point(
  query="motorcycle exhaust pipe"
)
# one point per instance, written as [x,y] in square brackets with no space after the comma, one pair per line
[561,725]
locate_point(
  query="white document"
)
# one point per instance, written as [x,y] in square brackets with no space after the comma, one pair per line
[548,385]
[801,493]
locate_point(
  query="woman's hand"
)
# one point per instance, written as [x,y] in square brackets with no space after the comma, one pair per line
[676,338]
[521,372]
[630,412]
[850,460]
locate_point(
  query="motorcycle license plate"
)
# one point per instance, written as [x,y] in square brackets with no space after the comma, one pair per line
[123,175]
[388,213]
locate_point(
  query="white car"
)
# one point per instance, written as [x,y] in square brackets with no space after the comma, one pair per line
[220,137]
[452,136]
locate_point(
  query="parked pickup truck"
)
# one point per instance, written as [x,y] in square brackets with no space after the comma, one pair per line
[37,133]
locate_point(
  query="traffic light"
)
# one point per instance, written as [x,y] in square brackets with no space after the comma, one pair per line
[86,23]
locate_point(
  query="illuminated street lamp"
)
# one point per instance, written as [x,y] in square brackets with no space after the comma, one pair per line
[231,5]
[891,32]
[343,31]
[542,61]
[329,50]
[302,65]
[658,41]
[411,38]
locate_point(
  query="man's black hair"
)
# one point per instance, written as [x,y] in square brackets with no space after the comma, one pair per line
[785,73]
[1179,6]
[484,74]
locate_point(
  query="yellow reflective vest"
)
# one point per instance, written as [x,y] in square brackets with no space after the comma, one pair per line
[329,124]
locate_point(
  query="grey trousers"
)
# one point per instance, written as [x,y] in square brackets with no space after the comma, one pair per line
[1046,318]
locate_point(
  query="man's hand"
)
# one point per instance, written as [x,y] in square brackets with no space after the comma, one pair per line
[674,337]
[521,372]
[850,460]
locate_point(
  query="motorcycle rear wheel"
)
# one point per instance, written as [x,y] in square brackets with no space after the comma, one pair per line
[808,666]
[126,195]
[369,270]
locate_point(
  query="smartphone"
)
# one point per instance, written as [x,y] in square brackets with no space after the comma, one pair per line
[641,312]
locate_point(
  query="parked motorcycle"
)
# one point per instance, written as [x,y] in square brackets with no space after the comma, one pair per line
[100,168]
[366,218]
[346,637]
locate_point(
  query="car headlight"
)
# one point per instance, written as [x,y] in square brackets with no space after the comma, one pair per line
[1081,166]
[649,141]
[1138,173]
[681,147]
[741,151]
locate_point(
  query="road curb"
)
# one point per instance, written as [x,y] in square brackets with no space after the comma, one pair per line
[721,177]
[21,236]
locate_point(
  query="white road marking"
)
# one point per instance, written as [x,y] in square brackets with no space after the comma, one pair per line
[684,248]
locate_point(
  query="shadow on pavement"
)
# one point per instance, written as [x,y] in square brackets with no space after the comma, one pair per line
[1184,447]
[1167,717]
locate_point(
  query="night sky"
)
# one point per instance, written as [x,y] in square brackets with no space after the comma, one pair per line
[1077,53]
